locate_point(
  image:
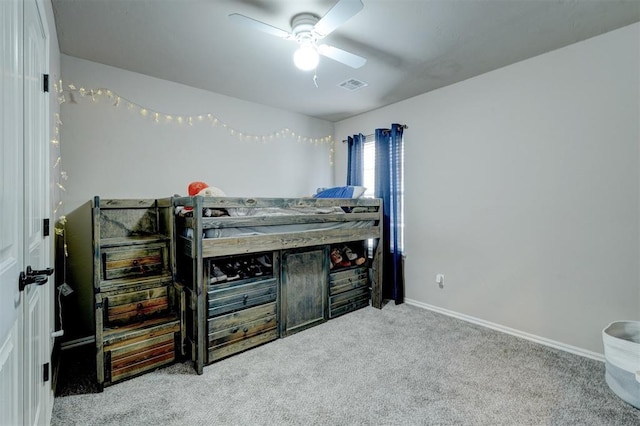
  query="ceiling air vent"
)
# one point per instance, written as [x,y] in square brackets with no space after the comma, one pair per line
[353,84]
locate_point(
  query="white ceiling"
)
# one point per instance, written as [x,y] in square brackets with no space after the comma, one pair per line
[412,46]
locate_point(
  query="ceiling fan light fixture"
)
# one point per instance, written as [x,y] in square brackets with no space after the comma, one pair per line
[307,29]
[306,57]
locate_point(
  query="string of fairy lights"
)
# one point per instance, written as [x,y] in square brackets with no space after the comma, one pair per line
[61,175]
[72,93]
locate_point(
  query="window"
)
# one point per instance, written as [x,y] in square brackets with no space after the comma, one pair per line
[369,166]
[369,172]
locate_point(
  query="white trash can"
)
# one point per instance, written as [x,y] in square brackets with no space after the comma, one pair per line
[622,359]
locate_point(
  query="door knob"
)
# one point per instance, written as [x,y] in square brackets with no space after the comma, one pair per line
[31,276]
[31,272]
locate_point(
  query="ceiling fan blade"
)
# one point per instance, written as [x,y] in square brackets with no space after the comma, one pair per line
[340,13]
[260,26]
[350,59]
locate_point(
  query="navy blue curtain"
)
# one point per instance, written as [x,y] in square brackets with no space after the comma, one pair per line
[388,170]
[355,160]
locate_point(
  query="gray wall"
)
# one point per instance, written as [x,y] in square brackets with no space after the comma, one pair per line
[522,187]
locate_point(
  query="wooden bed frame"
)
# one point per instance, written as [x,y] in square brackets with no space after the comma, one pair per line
[192,253]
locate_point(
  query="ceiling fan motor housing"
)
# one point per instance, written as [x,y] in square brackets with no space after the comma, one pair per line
[302,28]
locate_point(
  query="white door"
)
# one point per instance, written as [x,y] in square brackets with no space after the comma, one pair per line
[11,236]
[35,298]
[25,396]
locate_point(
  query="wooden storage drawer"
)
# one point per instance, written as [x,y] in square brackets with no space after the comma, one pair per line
[136,305]
[134,261]
[235,332]
[230,297]
[340,282]
[348,301]
[140,351]
[347,273]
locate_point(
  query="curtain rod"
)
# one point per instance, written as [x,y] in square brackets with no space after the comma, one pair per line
[404,126]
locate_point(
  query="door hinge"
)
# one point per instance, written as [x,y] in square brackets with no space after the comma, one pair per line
[45,83]
[45,227]
[45,372]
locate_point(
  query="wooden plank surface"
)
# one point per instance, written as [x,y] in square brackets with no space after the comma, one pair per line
[293,219]
[135,306]
[117,336]
[133,240]
[134,284]
[213,247]
[261,202]
[242,345]
[115,203]
[235,319]
[242,331]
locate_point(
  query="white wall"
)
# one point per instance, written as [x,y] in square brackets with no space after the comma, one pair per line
[522,187]
[114,152]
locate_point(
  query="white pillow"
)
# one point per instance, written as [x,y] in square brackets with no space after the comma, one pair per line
[211,191]
[358,191]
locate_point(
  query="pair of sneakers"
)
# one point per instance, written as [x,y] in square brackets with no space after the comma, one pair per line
[240,269]
[264,260]
[224,272]
[216,274]
[349,253]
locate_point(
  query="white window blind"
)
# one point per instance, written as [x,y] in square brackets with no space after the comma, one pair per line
[368,165]
[369,179]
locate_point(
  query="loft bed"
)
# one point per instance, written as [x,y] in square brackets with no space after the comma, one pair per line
[258,224]
[211,228]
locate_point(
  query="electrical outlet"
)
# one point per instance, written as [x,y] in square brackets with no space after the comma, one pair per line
[440,280]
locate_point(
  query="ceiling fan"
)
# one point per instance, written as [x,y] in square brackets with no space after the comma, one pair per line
[307,29]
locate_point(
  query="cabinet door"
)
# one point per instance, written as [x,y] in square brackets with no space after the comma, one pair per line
[304,289]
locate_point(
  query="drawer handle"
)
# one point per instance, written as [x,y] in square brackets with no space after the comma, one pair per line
[141,268]
[245,329]
[139,306]
[244,299]
[234,331]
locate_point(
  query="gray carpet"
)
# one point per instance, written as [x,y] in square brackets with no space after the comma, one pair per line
[401,365]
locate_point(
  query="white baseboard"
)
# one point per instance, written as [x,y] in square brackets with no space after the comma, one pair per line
[532,337]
